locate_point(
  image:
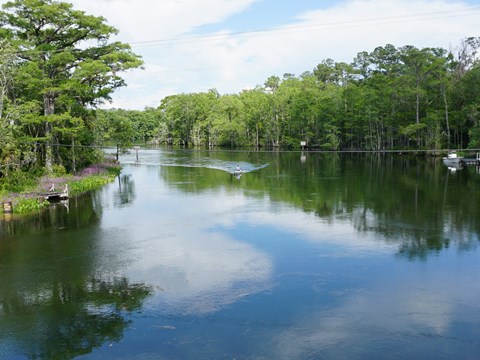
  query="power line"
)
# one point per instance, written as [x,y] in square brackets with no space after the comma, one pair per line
[42,142]
[316,27]
[292,29]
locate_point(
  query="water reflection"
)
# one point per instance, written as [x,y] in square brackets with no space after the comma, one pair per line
[58,298]
[76,213]
[125,193]
[304,258]
[401,316]
[178,245]
[199,273]
[414,202]
[64,319]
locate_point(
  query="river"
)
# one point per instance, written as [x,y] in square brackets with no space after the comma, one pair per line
[302,256]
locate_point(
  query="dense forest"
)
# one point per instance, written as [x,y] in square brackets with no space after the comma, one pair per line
[57,65]
[390,98]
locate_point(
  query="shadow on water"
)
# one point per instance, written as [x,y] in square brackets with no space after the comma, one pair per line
[56,302]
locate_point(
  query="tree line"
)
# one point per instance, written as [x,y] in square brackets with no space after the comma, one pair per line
[57,64]
[390,98]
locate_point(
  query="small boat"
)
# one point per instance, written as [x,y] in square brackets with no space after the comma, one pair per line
[237,171]
[452,159]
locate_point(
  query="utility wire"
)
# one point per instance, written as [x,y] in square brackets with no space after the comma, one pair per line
[293,29]
[39,142]
[315,27]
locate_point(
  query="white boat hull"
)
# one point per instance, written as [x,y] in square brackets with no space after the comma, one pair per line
[452,161]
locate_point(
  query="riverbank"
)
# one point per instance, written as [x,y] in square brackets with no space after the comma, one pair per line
[32,198]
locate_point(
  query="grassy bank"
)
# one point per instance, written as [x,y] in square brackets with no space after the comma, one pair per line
[25,194]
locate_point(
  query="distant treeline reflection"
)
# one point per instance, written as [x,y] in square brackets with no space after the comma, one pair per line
[413,200]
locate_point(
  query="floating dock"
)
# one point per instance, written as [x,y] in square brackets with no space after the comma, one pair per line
[471,161]
[466,161]
[453,160]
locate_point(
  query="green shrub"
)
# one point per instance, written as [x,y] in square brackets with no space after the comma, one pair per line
[89,183]
[114,170]
[29,205]
[17,181]
[59,170]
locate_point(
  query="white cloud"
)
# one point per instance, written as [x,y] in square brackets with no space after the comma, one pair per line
[145,20]
[232,63]
[235,62]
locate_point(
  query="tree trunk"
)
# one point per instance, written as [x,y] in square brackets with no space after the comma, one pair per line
[2,96]
[445,102]
[74,166]
[49,109]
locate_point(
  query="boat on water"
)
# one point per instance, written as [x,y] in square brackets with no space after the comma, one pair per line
[237,171]
[453,160]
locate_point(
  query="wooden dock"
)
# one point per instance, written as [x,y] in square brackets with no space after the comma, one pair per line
[472,161]
[55,195]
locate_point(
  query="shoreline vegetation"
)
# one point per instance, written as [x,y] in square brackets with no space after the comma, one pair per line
[26,197]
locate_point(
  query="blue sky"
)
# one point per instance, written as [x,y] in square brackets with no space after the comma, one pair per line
[265,14]
[197,45]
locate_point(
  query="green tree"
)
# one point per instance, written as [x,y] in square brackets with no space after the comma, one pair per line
[424,69]
[228,122]
[50,38]
[272,84]
[8,68]
[470,110]
[387,99]
[144,124]
[256,113]
[115,127]
[180,113]
[205,102]
[7,71]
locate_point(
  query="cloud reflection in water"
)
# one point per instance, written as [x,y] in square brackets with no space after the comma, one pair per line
[199,273]
[178,248]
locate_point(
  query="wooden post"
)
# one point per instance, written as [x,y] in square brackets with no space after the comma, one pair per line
[7,207]
[136,150]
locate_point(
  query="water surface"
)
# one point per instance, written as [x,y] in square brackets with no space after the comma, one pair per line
[305,256]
